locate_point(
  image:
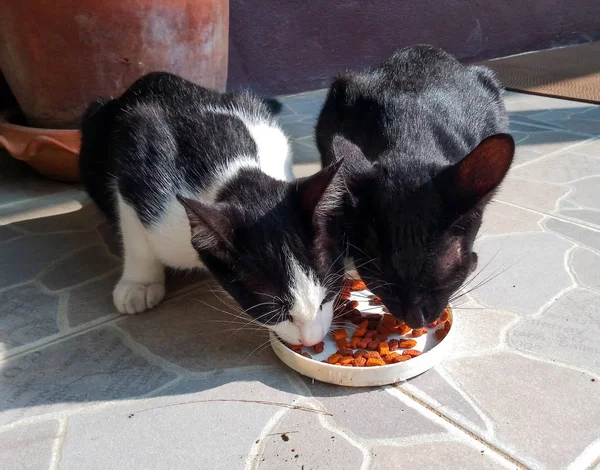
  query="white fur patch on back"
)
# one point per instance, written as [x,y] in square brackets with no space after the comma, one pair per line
[273,150]
[225,173]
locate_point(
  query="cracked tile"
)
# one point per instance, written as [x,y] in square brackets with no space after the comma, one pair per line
[79,267]
[549,141]
[580,235]
[92,301]
[437,455]
[591,148]
[93,367]
[193,335]
[512,265]
[437,387]
[567,332]
[29,446]
[586,192]
[177,430]
[479,330]
[386,409]
[585,264]
[310,446]
[501,218]
[560,168]
[41,250]
[532,405]
[534,195]
[26,315]
[523,155]
[587,216]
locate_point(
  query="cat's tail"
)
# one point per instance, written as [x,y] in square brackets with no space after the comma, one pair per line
[95,156]
[273,105]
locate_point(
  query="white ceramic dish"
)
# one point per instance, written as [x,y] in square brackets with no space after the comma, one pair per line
[433,352]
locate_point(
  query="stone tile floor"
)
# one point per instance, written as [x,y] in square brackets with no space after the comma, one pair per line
[82,387]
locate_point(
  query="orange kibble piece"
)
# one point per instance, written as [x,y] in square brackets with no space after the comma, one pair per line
[359,362]
[411,353]
[334,358]
[391,358]
[384,349]
[354,342]
[295,347]
[433,324]
[388,320]
[373,354]
[440,334]
[407,343]
[342,343]
[360,353]
[418,332]
[447,326]
[339,333]
[357,284]
[375,362]
[444,316]
[346,360]
[361,329]
[403,328]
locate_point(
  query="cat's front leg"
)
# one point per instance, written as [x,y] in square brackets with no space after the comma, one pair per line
[142,285]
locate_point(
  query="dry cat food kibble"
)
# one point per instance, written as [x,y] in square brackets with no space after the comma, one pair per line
[364,339]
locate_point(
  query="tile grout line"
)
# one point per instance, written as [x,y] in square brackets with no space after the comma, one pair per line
[464,430]
[554,216]
[60,440]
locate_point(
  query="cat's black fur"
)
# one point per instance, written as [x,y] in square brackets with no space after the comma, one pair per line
[425,146]
[166,138]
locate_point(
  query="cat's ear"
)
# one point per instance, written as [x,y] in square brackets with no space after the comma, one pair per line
[210,228]
[311,190]
[342,148]
[474,179]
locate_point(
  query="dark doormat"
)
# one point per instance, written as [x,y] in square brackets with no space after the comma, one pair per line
[570,72]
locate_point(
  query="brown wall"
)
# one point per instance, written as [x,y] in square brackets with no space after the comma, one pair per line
[285,46]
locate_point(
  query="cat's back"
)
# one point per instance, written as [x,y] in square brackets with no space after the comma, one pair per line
[419,98]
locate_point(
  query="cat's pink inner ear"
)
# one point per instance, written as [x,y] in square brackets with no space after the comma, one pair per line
[481,171]
[210,228]
[312,188]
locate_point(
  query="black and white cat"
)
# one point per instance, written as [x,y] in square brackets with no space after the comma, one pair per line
[194,178]
[425,145]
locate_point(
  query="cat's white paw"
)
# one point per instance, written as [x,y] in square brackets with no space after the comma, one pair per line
[132,297]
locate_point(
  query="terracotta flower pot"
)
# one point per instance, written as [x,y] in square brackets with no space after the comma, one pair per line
[51,152]
[58,56]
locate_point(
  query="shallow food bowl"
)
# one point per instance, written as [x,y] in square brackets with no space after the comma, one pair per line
[433,352]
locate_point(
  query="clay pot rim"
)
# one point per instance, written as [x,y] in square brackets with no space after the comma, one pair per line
[4,122]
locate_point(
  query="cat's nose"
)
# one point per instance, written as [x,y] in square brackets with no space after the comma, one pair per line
[415,317]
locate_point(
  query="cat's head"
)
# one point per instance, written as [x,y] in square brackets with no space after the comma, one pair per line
[413,235]
[258,242]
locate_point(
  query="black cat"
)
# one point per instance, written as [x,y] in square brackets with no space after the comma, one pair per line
[425,145]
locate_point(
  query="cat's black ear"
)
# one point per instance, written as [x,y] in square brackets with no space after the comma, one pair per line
[210,228]
[342,148]
[475,178]
[311,189]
